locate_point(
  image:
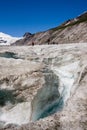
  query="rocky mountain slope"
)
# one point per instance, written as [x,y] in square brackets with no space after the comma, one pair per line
[43,87]
[6,39]
[71,31]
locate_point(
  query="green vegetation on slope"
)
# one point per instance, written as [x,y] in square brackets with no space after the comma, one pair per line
[80,19]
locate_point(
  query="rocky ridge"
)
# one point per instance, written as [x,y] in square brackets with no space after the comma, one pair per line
[71,31]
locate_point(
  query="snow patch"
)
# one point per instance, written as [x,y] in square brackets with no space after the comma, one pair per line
[20,114]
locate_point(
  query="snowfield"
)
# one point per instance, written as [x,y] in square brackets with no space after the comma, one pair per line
[6,39]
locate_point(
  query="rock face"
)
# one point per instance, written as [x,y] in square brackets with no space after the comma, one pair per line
[27,34]
[44,87]
[71,31]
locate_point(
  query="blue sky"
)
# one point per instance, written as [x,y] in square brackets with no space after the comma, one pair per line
[20,16]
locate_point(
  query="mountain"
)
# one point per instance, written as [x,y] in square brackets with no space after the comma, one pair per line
[6,39]
[71,31]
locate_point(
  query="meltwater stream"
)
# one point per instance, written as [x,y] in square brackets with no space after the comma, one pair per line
[54,93]
[48,99]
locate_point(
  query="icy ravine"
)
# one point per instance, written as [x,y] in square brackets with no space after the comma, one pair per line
[6,39]
[58,88]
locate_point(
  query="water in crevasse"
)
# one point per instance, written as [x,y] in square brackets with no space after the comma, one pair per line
[8,55]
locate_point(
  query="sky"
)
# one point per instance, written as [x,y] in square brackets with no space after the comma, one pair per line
[20,16]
